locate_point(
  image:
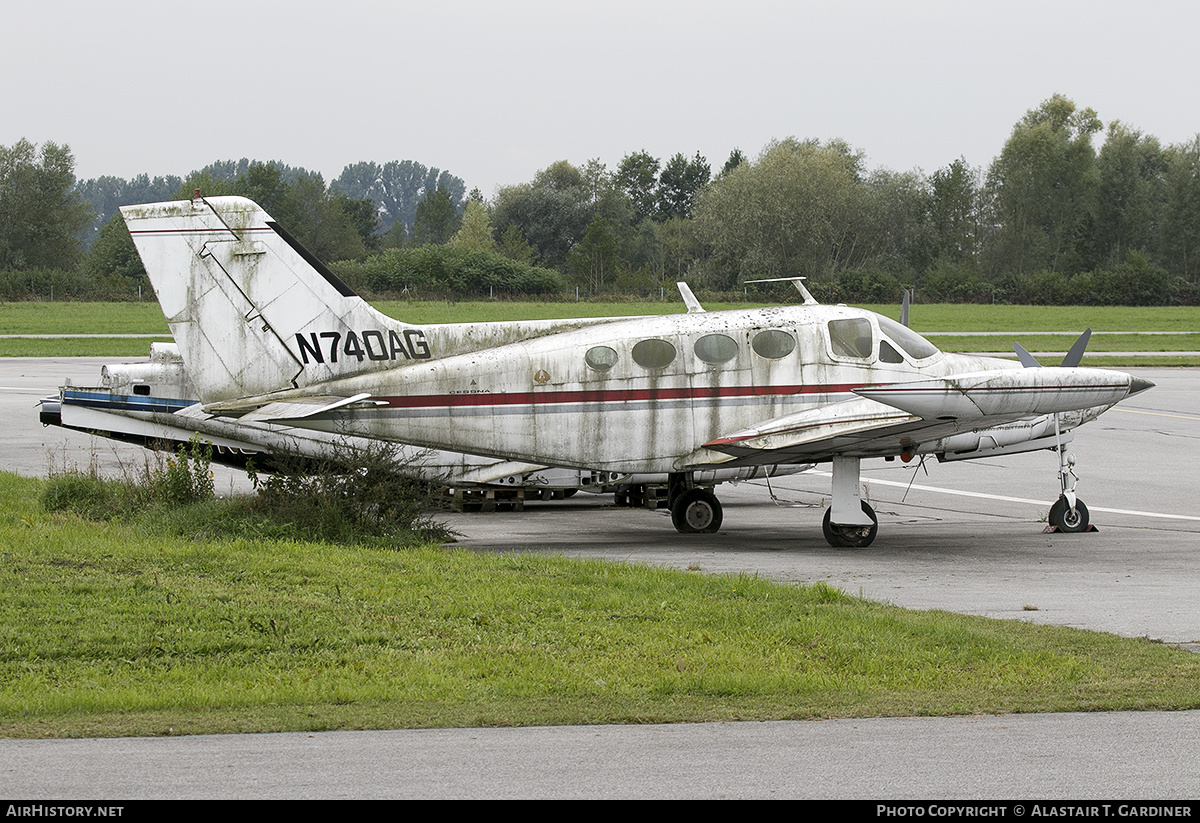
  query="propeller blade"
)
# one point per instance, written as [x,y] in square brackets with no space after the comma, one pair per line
[1025,357]
[1076,353]
[904,307]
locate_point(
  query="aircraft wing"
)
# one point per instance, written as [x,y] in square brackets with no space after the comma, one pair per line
[814,433]
[890,419]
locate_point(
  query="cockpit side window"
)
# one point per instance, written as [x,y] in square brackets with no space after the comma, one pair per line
[851,338]
[917,347]
[888,353]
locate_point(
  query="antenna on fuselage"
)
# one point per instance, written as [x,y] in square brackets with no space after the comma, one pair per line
[798,282]
[689,299]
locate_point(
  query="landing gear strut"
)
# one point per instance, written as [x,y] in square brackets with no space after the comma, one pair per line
[850,523]
[1068,514]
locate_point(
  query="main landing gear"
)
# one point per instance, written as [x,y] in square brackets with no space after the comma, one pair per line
[694,510]
[850,523]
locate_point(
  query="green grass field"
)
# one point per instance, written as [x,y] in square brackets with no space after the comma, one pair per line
[937,321]
[131,628]
[82,318]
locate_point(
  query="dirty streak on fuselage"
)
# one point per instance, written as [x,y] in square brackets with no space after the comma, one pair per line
[539,400]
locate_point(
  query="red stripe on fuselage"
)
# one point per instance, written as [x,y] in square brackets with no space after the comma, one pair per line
[552,397]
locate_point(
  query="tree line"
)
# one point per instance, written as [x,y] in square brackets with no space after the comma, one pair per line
[1053,219]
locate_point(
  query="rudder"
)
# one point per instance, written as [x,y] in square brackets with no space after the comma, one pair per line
[251,310]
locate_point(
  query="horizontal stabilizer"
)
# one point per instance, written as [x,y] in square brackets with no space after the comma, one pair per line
[262,410]
[689,299]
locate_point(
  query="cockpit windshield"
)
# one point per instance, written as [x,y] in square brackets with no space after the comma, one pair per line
[916,346]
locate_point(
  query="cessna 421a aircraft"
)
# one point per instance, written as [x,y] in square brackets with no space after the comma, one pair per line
[270,335]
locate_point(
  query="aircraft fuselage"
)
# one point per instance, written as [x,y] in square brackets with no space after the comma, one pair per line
[653,398]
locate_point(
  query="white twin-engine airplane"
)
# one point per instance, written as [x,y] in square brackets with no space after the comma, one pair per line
[270,335]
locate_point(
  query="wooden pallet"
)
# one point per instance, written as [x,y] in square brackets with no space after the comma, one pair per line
[486,500]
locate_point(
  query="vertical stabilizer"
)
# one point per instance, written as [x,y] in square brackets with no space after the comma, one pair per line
[251,310]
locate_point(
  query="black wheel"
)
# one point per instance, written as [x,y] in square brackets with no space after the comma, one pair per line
[850,537]
[1065,520]
[696,511]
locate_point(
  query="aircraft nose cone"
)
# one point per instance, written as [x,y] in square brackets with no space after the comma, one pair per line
[1138,384]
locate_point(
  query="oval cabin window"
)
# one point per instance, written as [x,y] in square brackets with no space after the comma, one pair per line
[653,354]
[716,349]
[773,344]
[600,358]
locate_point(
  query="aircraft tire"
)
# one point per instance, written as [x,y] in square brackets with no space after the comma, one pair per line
[696,511]
[850,537]
[1062,519]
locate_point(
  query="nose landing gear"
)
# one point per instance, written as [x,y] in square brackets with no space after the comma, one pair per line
[1068,514]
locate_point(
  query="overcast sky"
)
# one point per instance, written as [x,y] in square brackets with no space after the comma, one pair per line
[495,91]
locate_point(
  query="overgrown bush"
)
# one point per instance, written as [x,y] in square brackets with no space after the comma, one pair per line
[87,495]
[354,495]
[188,476]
